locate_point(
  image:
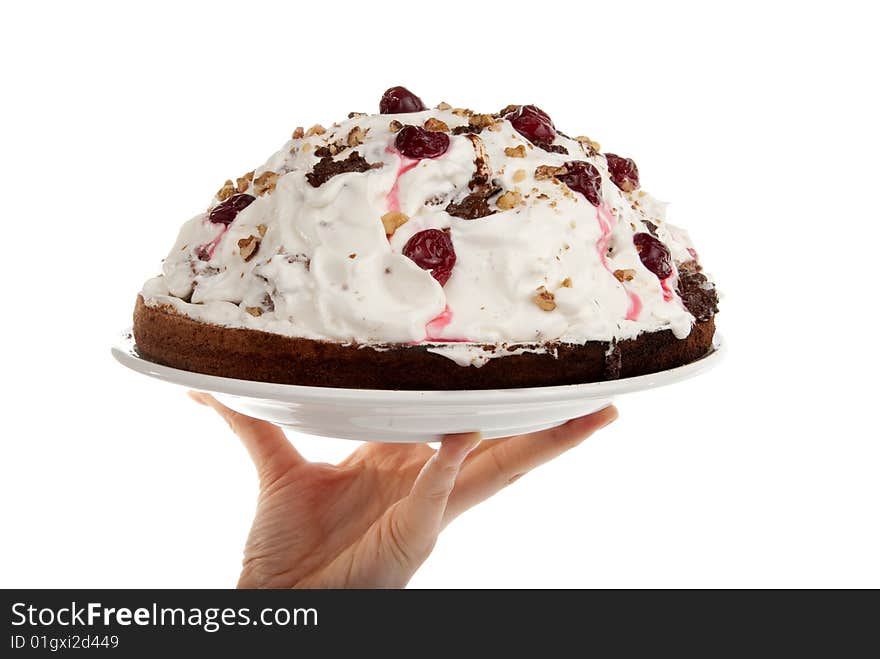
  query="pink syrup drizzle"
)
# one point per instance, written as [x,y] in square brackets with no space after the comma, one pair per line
[392,199]
[667,292]
[208,248]
[435,327]
[606,224]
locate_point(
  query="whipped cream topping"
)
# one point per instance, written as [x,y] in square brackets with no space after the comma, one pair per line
[315,262]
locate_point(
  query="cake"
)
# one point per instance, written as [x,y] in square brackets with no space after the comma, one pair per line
[434,248]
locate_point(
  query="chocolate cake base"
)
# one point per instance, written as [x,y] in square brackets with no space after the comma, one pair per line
[168,338]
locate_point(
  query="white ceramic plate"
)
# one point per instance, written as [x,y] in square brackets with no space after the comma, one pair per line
[410,416]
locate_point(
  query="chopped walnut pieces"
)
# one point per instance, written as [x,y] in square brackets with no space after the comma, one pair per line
[589,144]
[265,182]
[248,247]
[391,221]
[624,275]
[254,311]
[566,283]
[444,106]
[515,151]
[509,109]
[462,112]
[352,115]
[481,120]
[298,133]
[519,176]
[395,126]
[508,200]
[356,136]
[545,172]
[243,182]
[226,191]
[545,299]
[436,125]
[262,229]
[317,129]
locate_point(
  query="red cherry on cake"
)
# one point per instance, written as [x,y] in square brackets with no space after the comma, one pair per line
[432,250]
[532,123]
[418,143]
[624,172]
[582,177]
[398,100]
[225,211]
[654,254]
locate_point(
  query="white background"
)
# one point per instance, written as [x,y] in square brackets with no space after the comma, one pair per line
[757,121]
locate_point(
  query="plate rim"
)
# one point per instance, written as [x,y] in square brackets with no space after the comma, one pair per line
[123,350]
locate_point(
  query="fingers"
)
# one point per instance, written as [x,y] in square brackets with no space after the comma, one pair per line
[270,450]
[498,463]
[415,520]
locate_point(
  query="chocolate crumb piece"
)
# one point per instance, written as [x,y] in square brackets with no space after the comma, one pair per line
[651,227]
[697,293]
[544,299]
[300,258]
[508,200]
[552,148]
[332,149]
[393,220]
[243,182]
[248,247]
[612,361]
[226,191]
[268,302]
[395,126]
[436,125]
[298,133]
[356,136]
[473,206]
[254,311]
[467,129]
[326,168]
[624,275]
[265,182]
[515,151]
[353,255]
[546,172]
